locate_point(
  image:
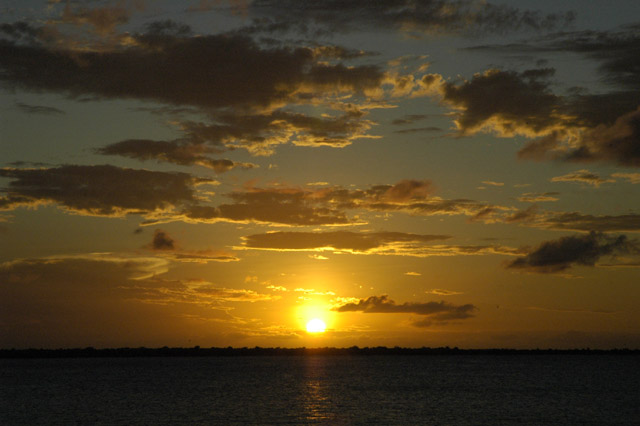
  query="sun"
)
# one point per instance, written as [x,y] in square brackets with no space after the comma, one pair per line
[316,325]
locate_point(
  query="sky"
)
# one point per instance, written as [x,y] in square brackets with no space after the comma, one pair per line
[412,173]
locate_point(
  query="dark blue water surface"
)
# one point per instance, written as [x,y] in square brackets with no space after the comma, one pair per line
[388,390]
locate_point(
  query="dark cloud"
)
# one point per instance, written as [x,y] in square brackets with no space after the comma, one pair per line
[177,152]
[99,190]
[585,127]
[423,16]
[269,206]
[212,71]
[507,102]
[433,311]
[260,133]
[38,109]
[559,255]
[618,51]
[419,130]
[339,240]
[162,241]
[409,119]
[165,246]
[575,221]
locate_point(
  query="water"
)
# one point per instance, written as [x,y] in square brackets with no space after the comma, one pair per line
[388,390]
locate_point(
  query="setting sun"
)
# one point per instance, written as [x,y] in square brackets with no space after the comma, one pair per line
[316,326]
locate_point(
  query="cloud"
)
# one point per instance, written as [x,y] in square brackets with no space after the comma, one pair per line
[99,190]
[415,17]
[580,127]
[508,103]
[104,20]
[409,119]
[177,152]
[297,206]
[413,274]
[106,299]
[340,241]
[378,243]
[558,255]
[616,50]
[582,176]
[162,241]
[618,143]
[575,221]
[534,197]
[167,247]
[209,71]
[633,178]
[419,130]
[433,311]
[199,292]
[38,109]
[268,206]
[261,133]
[442,292]
[492,183]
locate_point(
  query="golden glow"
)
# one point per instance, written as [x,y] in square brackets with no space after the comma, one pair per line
[316,325]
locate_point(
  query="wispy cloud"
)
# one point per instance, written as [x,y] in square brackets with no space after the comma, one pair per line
[582,176]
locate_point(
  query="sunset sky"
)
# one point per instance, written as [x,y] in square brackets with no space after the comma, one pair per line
[412,173]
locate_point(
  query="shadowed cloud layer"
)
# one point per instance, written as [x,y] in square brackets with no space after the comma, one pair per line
[422,16]
[210,71]
[104,299]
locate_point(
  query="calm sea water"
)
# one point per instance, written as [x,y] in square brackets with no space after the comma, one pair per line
[388,390]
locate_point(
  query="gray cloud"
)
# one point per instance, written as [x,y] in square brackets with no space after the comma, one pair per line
[559,255]
[433,311]
[166,247]
[507,102]
[212,71]
[162,241]
[575,221]
[419,130]
[409,119]
[601,127]
[99,190]
[38,109]
[418,17]
[177,152]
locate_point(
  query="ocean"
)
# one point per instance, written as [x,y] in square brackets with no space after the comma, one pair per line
[339,390]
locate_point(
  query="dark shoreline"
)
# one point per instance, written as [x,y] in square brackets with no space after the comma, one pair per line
[197,351]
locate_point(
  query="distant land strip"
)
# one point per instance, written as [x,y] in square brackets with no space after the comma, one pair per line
[196,351]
